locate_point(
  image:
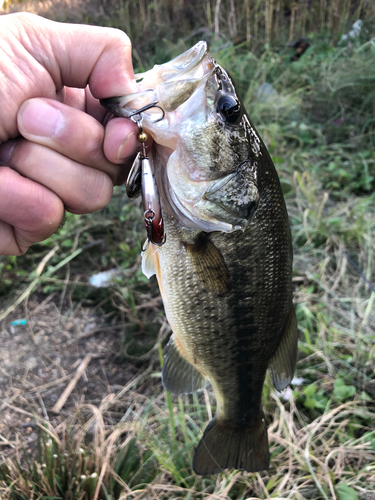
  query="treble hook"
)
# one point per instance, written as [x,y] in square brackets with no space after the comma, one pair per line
[145,108]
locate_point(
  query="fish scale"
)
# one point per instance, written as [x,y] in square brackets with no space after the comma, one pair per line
[225,269]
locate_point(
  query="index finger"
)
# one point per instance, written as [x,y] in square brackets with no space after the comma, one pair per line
[76,55]
[53,55]
[73,133]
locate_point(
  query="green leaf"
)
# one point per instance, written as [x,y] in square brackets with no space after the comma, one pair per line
[309,403]
[310,391]
[320,402]
[342,391]
[365,396]
[277,159]
[67,243]
[345,492]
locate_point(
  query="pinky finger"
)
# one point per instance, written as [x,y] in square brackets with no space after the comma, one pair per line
[29,212]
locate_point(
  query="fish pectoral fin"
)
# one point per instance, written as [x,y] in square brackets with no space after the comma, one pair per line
[209,265]
[148,262]
[179,376]
[283,362]
[225,447]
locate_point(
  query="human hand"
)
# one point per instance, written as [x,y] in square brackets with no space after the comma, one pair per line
[64,158]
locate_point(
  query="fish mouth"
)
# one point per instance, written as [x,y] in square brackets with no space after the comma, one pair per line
[167,85]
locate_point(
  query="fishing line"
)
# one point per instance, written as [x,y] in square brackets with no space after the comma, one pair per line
[359,271]
[208,451]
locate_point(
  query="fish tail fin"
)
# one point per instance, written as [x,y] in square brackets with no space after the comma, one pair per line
[224,447]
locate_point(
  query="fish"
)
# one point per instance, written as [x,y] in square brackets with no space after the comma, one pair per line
[225,268]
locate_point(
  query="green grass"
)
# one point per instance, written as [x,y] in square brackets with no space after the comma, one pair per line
[69,468]
[320,132]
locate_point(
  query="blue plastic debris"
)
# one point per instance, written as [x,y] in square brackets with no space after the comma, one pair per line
[18,322]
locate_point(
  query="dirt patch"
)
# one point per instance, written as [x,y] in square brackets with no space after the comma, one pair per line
[39,359]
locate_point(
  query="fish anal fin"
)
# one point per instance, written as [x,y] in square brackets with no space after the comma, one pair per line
[209,265]
[283,362]
[148,261]
[179,376]
[225,447]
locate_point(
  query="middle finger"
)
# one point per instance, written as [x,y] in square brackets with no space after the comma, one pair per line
[82,189]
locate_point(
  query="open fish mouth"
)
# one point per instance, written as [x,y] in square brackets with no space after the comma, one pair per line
[168,85]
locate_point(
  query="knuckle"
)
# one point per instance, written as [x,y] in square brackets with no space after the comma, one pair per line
[23,152]
[48,211]
[23,17]
[94,148]
[103,189]
[95,195]
[120,37]
[4,173]
[19,248]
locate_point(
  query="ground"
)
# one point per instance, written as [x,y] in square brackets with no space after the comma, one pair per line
[39,360]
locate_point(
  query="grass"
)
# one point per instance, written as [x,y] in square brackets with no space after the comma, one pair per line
[318,122]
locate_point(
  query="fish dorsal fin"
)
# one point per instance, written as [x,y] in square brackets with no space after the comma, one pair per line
[148,262]
[179,376]
[209,265]
[283,362]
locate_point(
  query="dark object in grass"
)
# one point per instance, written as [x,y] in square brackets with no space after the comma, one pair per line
[302,44]
[359,271]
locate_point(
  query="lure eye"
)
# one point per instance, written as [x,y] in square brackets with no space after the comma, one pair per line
[229,109]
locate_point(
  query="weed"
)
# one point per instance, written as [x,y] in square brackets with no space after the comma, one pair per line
[70,468]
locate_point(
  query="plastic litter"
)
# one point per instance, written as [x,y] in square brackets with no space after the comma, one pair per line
[18,322]
[104,279]
[354,32]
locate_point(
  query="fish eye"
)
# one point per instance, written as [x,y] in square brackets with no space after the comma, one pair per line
[229,109]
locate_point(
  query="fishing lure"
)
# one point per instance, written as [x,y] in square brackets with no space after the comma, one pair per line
[141,180]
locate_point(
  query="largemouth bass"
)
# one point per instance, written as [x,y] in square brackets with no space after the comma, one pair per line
[225,269]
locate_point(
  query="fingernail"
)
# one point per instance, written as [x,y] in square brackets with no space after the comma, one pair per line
[6,150]
[40,118]
[123,150]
